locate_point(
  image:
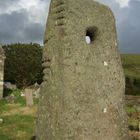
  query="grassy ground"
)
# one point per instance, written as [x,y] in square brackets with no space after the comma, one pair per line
[131,64]
[133,117]
[18,120]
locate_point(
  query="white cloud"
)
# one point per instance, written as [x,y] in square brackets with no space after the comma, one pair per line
[123,3]
[37,9]
[112,3]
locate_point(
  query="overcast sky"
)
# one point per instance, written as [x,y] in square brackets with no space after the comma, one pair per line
[24,21]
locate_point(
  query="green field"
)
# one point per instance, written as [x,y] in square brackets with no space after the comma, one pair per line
[131,65]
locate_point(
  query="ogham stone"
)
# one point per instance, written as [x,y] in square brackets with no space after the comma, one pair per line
[82,96]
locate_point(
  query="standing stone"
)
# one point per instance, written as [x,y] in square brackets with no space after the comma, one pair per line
[82,96]
[2,59]
[29,97]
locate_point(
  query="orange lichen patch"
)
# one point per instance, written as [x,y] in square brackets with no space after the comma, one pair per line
[134,134]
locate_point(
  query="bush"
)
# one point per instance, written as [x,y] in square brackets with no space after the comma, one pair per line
[132,85]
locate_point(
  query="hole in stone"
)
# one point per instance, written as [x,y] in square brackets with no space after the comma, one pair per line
[91,34]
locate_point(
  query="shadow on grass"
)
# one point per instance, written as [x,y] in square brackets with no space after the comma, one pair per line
[33,138]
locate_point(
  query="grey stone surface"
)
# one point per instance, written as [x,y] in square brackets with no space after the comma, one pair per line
[82,96]
[2,58]
[29,97]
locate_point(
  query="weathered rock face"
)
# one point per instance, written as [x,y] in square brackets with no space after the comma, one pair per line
[82,96]
[2,58]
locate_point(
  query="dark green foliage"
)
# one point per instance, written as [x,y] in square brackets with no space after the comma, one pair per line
[23,64]
[6,92]
[18,99]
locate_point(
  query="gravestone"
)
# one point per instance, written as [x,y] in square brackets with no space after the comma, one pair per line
[2,59]
[29,97]
[82,96]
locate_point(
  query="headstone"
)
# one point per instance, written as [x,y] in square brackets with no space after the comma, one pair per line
[29,97]
[9,85]
[2,58]
[82,96]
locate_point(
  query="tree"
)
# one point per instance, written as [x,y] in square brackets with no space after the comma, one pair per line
[23,64]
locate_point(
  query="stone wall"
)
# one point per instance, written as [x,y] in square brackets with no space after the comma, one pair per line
[2,58]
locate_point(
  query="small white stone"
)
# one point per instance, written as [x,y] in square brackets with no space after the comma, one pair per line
[56,22]
[22,95]
[1,120]
[105,63]
[115,43]
[88,40]
[105,110]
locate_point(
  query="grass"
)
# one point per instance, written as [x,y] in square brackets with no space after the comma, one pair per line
[133,121]
[18,120]
[3,106]
[18,127]
[131,64]
[19,99]
[133,124]
[4,137]
[131,109]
